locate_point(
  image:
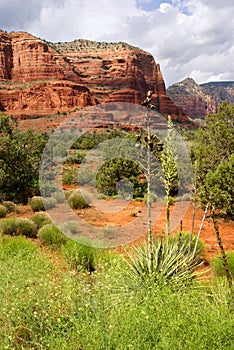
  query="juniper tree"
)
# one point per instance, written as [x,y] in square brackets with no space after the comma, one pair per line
[214,154]
[20,154]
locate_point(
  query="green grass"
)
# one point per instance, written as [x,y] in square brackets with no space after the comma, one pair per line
[45,306]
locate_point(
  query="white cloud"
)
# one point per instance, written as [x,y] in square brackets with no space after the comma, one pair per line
[187,37]
[18,15]
[164,7]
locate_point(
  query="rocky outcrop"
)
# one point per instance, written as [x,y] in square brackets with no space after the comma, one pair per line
[36,80]
[197,101]
[107,68]
[43,98]
[220,91]
[39,78]
[6,56]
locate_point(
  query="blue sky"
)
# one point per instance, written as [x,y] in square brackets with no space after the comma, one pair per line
[188,38]
[150,5]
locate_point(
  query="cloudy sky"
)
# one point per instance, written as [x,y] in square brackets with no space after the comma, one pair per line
[192,38]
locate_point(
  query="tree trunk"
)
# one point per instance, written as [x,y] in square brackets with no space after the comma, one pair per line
[200,230]
[193,220]
[223,254]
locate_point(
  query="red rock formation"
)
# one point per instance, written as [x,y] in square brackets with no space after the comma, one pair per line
[41,78]
[43,98]
[192,98]
[6,56]
[34,60]
[115,72]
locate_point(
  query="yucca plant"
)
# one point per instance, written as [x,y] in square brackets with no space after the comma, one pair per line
[171,262]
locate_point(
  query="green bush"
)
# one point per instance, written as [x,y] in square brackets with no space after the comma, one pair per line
[3,211]
[49,202]
[116,170]
[67,193]
[153,198]
[59,196]
[77,201]
[184,239]
[80,257]
[11,207]
[217,264]
[76,157]
[41,219]
[36,203]
[26,227]
[71,228]
[50,235]
[70,177]
[48,187]
[7,226]
[86,176]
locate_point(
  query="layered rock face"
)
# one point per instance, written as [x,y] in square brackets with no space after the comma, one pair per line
[197,101]
[114,72]
[38,78]
[220,91]
[118,72]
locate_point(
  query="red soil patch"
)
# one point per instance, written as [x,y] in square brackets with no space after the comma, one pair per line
[207,235]
[104,213]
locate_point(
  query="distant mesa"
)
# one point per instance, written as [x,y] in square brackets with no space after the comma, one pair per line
[197,101]
[40,78]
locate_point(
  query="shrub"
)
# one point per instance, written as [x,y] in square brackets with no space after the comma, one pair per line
[76,157]
[49,202]
[50,235]
[26,227]
[184,198]
[67,193]
[48,187]
[184,239]
[11,207]
[70,177]
[80,257]
[41,219]
[77,201]
[36,203]
[71,228]
[59,196]
[3,211]
[217,264]
[7,226]
[86,176]
[153,198]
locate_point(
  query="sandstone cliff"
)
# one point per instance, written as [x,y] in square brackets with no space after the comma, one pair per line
[197,101]
[39,78]
[220,91]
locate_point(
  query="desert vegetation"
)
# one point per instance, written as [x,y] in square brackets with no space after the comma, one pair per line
[60,292]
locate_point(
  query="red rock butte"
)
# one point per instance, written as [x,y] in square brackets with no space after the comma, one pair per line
[40,78]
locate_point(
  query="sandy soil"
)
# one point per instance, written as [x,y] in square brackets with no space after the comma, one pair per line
[131,217]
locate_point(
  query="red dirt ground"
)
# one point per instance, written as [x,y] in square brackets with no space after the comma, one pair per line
[109,213]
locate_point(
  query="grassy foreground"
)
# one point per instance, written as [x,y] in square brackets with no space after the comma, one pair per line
[48,306]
